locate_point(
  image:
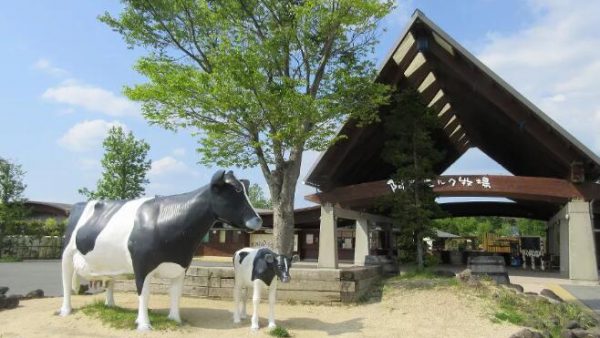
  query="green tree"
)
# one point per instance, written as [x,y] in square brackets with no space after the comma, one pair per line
[259,81]
[257,197]
[410,149]
[124,167]
[503,226]
[12,207]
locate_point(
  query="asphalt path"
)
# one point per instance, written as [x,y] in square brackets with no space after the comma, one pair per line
[26,276]
[588,295]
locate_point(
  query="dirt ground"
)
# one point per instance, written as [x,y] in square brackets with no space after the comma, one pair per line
[401,313]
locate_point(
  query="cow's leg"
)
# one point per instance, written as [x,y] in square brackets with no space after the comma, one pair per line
[143,322]
[67,281]
[243,313]
[110,300]
[237,288]
[176,289]
[255,303]
[272,293]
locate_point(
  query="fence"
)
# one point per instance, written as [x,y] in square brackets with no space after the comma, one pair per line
[31,247]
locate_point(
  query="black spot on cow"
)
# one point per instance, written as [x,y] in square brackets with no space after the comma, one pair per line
[264,266]
[87,234]
[242,255]
[74,215]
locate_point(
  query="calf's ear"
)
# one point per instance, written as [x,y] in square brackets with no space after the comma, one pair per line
[218,178]
[269,258]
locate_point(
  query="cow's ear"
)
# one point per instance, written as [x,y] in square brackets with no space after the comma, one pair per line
[269,258]
[295,258]
[246,184]
[218,178]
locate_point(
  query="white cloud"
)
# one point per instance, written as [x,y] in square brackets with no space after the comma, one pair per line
[169,165]
[87,135]
[46,66]
[91,98]
[555,62]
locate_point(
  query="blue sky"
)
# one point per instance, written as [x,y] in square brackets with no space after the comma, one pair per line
[63,72]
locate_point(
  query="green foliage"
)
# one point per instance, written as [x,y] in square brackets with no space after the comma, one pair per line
[12,201]
[37,228]
[120,318]
[411,150]
[257,81]
[10,259]
[477,226]
[536,312]
[125,167]
[257,197]
[279,331]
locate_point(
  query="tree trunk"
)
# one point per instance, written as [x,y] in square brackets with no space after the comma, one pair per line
[283,190]
[419,239]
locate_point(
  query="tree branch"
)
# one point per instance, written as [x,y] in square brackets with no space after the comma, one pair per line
[200,62]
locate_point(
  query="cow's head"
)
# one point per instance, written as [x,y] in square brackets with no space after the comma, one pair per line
[281,264]
[230,201]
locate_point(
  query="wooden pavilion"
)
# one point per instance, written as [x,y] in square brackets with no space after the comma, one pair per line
[554,175]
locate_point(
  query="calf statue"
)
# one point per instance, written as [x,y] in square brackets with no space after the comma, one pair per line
[149,237]
[257,268]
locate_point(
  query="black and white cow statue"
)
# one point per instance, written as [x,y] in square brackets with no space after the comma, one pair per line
[149,237]
[257,268]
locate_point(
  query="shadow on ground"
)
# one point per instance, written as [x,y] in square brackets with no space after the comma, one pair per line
[218,319]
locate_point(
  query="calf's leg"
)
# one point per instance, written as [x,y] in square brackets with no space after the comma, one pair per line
[243,313]
[237,288]
[272,293]
[176,289]
[255,303]
[67,281]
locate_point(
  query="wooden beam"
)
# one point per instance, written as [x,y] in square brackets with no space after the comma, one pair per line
[498,97]
[550,190]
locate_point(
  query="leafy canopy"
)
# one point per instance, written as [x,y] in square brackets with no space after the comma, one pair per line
[124,167]
[259,80]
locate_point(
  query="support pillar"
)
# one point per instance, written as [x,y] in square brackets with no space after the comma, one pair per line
[328,253]
[582,251]
[361,248]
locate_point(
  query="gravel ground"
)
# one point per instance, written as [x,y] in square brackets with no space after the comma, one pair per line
[401,313]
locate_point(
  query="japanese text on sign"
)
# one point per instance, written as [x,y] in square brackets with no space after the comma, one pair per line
[453,181]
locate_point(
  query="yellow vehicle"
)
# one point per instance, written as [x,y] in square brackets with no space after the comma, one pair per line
[496,244]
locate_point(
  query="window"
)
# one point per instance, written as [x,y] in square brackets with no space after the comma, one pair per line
[222,236]
[310,239]
[206,238]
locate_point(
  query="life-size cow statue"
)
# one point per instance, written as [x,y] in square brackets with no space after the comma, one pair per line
[149,237]
[257,268]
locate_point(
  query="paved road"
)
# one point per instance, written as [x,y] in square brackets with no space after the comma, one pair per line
[589,295]
[25,276]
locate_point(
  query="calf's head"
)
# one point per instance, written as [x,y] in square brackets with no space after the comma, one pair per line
[281,264]
[230,201]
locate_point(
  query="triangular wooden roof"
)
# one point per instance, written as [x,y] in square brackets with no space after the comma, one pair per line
[476,107]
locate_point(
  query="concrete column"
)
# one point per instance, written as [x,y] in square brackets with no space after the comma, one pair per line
[328,254]
[361,249]
[582,251]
